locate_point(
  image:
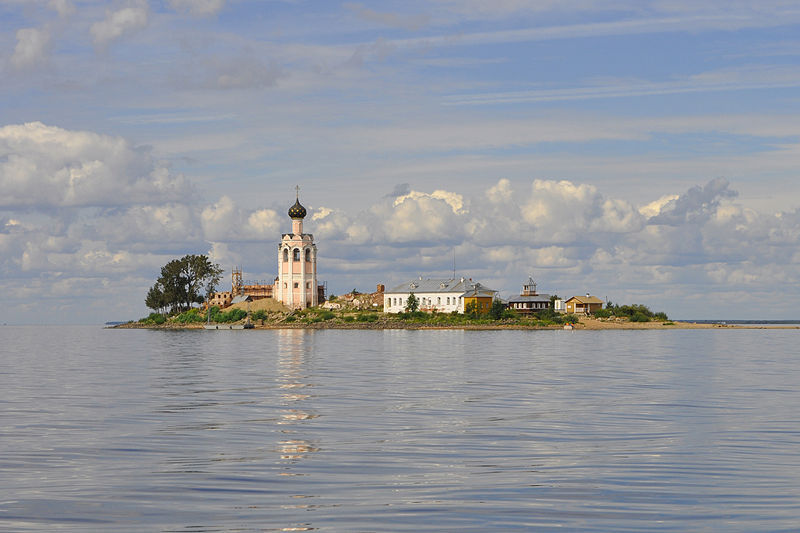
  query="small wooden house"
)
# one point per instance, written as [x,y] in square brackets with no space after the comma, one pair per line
[585,305]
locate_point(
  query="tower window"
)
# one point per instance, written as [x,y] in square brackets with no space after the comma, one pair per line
[295,285]
[296,254]
[285,255]
[308,255]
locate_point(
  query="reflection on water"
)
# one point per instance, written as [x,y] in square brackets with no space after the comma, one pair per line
[294,348]
[295,430]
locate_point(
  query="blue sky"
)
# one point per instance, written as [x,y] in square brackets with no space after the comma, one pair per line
[642,151]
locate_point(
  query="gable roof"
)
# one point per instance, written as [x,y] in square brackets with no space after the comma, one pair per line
[479,292]
[586,300]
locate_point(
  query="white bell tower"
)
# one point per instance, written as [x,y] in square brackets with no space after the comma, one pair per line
[297,263]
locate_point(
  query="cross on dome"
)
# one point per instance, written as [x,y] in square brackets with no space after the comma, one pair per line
[297,211]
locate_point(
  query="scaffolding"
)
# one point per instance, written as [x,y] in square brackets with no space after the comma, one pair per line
[236,281]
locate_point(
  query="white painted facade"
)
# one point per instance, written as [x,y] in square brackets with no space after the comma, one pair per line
[440,295]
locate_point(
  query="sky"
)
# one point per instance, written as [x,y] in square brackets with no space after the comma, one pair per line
[641,151]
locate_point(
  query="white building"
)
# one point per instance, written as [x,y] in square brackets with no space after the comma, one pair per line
[442,295]
[296,286]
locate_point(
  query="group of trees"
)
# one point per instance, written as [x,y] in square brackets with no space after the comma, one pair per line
[183,282]
[634,312]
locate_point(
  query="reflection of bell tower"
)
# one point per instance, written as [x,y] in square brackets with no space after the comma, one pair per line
[297,263]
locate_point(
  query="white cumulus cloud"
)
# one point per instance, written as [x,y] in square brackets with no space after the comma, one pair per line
[47,166]
[33,45]
[65,8]
[120,22]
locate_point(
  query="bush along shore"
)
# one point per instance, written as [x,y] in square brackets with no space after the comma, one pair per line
[625,317]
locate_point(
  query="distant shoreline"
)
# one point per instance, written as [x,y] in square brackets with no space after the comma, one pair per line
[585,324]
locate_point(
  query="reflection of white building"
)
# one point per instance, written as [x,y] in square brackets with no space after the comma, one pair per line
[296,286]
[442,295]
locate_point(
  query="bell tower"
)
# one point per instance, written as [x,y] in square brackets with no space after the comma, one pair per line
[297,263]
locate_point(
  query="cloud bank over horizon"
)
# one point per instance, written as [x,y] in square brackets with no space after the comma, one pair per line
[646,151]
[91,217]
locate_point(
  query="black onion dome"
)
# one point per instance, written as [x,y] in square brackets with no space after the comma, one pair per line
[297,210]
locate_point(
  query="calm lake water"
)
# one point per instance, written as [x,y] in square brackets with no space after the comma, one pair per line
[293,430]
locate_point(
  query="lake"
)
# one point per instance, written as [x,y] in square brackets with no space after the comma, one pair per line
[399,430]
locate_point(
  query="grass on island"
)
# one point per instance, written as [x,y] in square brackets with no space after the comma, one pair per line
[270,313]
[355,318]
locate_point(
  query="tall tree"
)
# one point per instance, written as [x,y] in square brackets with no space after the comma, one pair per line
[201,277]
[156,299]
[183,282]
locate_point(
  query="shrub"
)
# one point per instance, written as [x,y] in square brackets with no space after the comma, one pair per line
[290,318]
[496,311]
[636,309]
[547,315]
[259,315]
[602,313]
[327,315]
[234,315]
[153,319]
[368,317]
[191,316]
[639,317]
[566,319]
